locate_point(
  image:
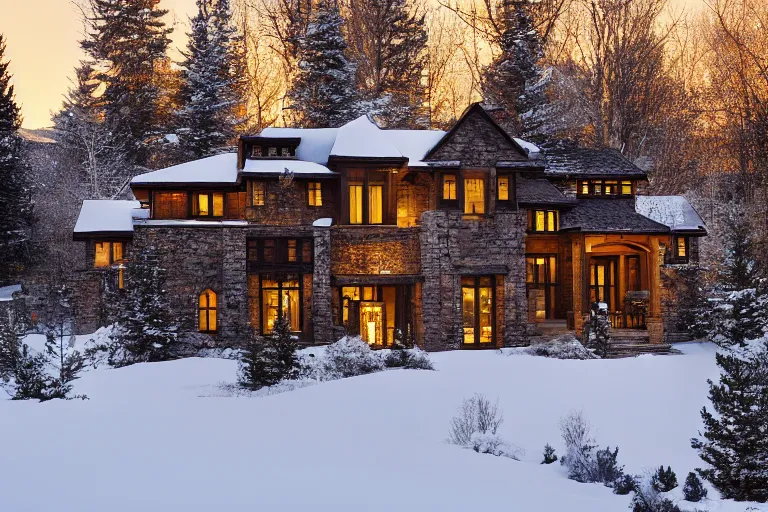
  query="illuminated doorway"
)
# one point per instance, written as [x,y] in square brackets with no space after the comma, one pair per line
[602,281]
[373,322]
[478,303]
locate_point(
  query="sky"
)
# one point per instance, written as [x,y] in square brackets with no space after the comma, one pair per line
[42,38]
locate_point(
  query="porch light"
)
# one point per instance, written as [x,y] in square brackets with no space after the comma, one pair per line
[385,271]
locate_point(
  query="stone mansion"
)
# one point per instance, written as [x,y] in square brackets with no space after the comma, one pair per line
[469,238]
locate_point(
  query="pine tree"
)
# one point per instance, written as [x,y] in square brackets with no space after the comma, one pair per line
[127,40]
[514,81]
[549,455]
[284,346]
[259,365]
[694,490]
[735,443]
[210,91]
[144,330]
[323,92]
[664,480]
[66,362]
[11,332]
[16,216]
[388,40]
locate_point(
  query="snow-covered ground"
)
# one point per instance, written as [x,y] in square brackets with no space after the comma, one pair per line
[162,437]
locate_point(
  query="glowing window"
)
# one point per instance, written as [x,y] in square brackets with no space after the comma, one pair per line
[203,208]
[292,254]
[280,299]
[626,188]
[315,193]
[259,193]
[477,303]
[682,247]
[542,221]
[375,204]
[117,251]
[503,188]
[474,196]
[207,311]
[449,187]
[102,255]
[355,203]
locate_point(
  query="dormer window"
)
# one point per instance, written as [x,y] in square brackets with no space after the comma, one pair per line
[543,221]
[256,152]
[605,188]
[286,152]
[272,151]
[107,253]
[680,249]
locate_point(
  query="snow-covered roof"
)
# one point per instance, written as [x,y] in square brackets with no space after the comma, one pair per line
[279,166]
[108,216]
[532,149]
[6,292]
[414,144]
[324,222]
[316,143]
[672,211]
[361,138]
[214,169]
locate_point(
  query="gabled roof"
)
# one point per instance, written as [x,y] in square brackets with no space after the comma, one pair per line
[608,215]
[565,158]
[674,212]
[109,217]
[361,138]
[475,108]
[214,169]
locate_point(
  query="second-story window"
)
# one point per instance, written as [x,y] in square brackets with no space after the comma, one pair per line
[107,253]
[543,221]
[259,194]
[315,193]
[449,187]
[208,204]
[502,188]
[605,188]
[474,196]
[355,203]
[375,203]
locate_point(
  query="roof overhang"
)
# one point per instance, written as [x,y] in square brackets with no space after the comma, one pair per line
[102,235]
[368,160]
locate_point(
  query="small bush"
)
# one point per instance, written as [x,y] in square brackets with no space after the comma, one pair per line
[549,455]
[350,357]
[412,359]
[562,347]
[664,480]
[586,464]
[493,444]
[476,415]
[624,485]
[648,499]
[693,489]
[607,469]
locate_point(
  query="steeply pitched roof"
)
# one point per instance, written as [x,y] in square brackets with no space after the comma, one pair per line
[565,158]
[108,216]
[214,169]
[608,215]
[539,191]
[674,212]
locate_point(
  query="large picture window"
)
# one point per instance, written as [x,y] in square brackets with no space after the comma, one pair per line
[207,311]
[478,303]
[474,196]
[280,299]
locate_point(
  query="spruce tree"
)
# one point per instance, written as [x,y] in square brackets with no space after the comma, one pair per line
[258,366]
[15,188]
[664,480]
[323,92]
[693,489]
[144,330]
[735,444]
[210,90]
[284,346]
[388,40]
[513,80]
[127,40]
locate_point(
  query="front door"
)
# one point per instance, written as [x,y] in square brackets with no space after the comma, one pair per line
[541,285]
[603,281]
[373,323]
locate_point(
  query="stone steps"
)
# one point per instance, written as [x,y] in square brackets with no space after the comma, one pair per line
[619,350]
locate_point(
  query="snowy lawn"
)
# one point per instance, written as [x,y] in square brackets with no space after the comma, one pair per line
[160,437]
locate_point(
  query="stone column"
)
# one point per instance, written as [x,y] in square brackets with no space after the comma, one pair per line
[654,322]
[233,309]
[322,319]
[578,282]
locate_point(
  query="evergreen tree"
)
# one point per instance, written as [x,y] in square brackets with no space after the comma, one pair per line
[15,188]
[210,90]
[664,480]
[549,455]
[127,40]
[694,490]
[514,80]
[323,92]
[66,362]
[284,345]
[144,330]
[30,381]
[735,443]
[388,40]
[11,332]
[258,366]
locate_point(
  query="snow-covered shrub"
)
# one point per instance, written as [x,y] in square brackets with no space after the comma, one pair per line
[562,347]
[664,480]
[549,455]
[493,444]
[412,359]
[648,499]
[582,459]
[348,357]
[624,485]
[693,489]
[476,415]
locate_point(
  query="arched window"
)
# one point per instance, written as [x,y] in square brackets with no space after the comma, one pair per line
[207,315]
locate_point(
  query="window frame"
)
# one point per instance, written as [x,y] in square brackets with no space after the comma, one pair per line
[476,286]
[598,187]
[299,278]
[449,200]
[484,180]
[511,201]
[314,195]
[262,186]
[207,310]
[280,247]
[110,252]
[184,205]
[532,213]
[210,194]
[676,257]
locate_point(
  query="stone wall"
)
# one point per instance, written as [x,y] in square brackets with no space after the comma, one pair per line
[286,204]
[452,246]
[375,250]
